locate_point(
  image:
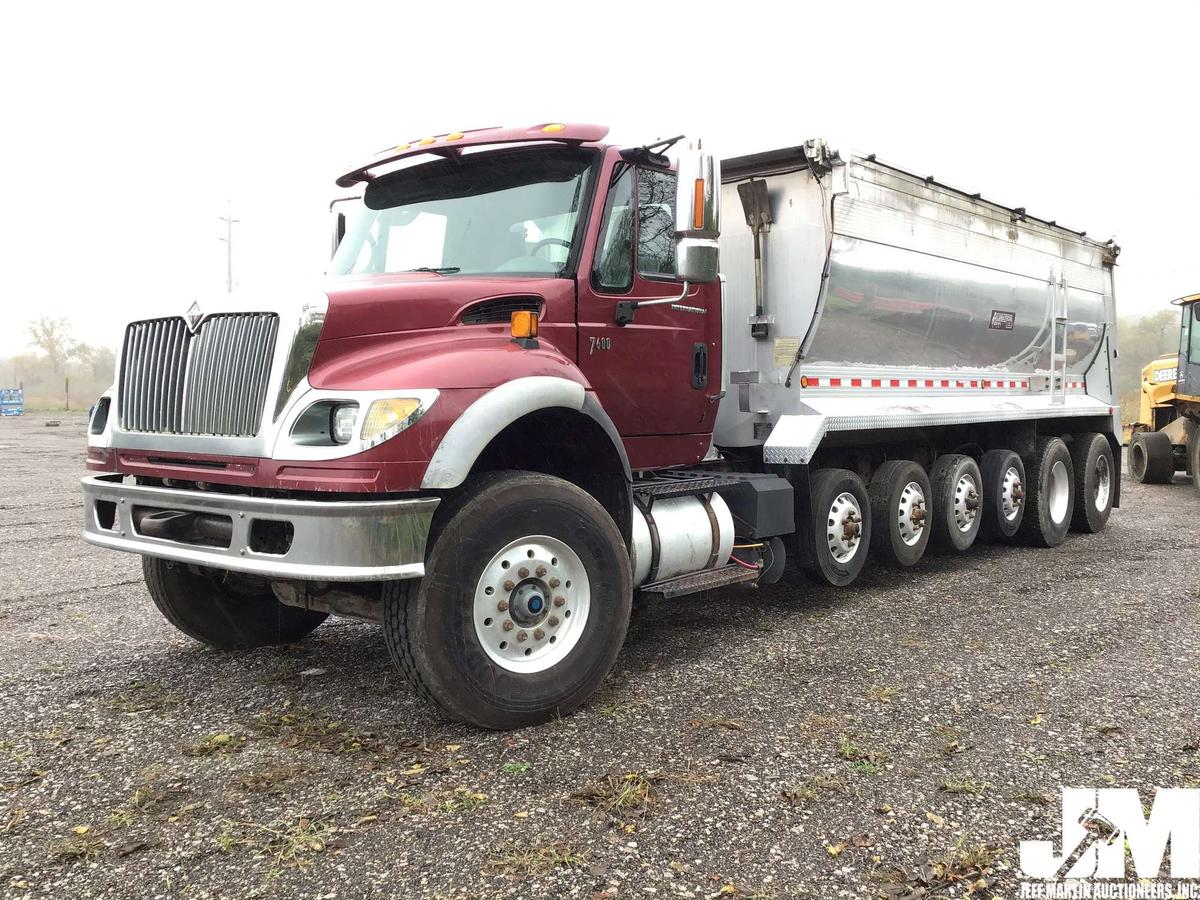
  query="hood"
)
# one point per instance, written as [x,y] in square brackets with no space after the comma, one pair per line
[411,301]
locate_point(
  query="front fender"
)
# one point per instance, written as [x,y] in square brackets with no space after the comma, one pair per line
[491,414]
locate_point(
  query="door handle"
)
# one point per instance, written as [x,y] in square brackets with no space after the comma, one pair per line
[699,366]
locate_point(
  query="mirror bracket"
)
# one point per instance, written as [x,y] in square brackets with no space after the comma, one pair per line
[626,308]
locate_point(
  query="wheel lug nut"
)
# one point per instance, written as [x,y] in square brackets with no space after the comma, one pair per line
[553,582]
[502,606]
[523,572]
[540,571]
[552,621]
[508,625]
[559,601]
[522,636]
[539,634]
[509,585]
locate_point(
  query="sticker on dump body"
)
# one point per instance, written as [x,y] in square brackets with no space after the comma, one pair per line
[786,349]
[1002,320]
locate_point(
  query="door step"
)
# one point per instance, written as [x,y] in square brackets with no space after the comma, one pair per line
[706,580]
[678,483]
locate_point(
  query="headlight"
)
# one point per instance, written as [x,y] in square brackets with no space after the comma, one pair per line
[387,418]
[341,422]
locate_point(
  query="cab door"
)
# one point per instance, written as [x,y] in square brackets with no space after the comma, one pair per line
[1188,376]
[659,374]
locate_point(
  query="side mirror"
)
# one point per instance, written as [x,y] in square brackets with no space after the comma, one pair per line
[697,217]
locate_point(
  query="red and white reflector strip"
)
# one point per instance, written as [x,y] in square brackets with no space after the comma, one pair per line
[922,384]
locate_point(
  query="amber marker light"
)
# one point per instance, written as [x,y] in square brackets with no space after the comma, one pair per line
[425,142]
[456,136]
[698,206]
[557,126]
[524,323]
[803,381]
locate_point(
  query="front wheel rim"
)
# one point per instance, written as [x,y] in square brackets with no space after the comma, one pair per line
[1103,483]
[531,604]
[843,527]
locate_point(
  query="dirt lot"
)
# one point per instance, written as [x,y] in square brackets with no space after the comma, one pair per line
[790,742]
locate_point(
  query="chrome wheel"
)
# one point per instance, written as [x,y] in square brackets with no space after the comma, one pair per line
[1059,492]
[844,527]
[966,503]
[531,604]
[1011,494]
[912,513]
[1103,483]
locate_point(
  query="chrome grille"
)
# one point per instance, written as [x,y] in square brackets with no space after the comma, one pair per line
[211,382]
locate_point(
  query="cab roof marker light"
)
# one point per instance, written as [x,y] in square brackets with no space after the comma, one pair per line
[455,136]
[554,127]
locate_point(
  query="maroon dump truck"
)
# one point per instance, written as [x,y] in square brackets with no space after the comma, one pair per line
[539,380]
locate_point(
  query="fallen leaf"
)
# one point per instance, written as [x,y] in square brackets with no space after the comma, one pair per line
[937,820]
[862,840]
[81,829]
[835,849]
[1036,720]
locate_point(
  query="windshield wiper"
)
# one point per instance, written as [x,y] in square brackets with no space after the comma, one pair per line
[440,270]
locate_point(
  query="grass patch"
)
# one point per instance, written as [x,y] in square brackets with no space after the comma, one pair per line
[621,796]
[305,729]
[267,781]
[144,697]
[462,800]
[220,743]
[86,847]
[287,844]
[717,722]
[884,693]
[961,786]
[515,768]
[860,759]
[964,867]
[521,859]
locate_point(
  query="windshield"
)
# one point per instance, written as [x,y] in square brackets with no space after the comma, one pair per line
[503,211]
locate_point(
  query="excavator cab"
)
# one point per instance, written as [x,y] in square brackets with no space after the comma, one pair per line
[1187,385]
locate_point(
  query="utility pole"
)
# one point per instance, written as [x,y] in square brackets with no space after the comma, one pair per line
[229,221]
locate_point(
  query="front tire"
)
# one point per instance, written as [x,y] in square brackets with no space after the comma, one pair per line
[1049,494]
[1151,458]
[523,607]
[1095,482]
[831,548]
[225,611]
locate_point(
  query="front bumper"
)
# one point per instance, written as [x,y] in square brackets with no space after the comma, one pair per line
[373,540]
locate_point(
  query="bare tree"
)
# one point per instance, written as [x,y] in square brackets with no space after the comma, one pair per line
[53,338]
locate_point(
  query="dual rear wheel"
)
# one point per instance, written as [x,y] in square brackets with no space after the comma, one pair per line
[1003,496]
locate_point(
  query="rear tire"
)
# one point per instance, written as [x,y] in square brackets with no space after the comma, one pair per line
[1151,457]
[832,546]
[484,635]
[899,495]
[228,612]
[1003,494]
[1049,494]
[957,499]
[1095,482]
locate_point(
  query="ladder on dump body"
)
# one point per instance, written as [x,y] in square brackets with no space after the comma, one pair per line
[1058,339]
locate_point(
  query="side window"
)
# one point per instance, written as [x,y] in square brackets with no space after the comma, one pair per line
[1194,349]
[656,223]
[613,269]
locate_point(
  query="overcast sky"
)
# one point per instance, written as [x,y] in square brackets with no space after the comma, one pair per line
[127,127]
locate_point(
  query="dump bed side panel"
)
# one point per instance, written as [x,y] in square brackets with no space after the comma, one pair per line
[921,277]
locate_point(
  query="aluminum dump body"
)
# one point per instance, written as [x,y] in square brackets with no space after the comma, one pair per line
[878,284]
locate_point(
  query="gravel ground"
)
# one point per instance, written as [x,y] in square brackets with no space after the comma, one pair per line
[791,742]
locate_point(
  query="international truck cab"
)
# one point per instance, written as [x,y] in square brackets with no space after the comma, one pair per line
[542,378]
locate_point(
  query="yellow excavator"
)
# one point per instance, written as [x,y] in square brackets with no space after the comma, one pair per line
[1166,440]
